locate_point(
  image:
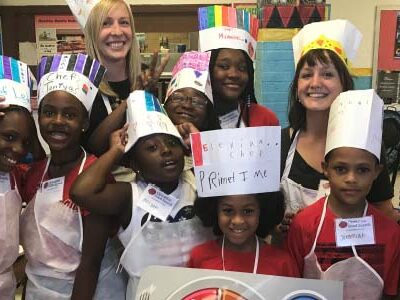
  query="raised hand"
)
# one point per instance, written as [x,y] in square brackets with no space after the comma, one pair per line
[148,81]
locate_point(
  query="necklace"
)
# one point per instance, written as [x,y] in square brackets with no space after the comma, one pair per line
[255,266]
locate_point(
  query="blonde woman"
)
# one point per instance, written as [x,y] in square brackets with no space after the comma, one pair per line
[110,38]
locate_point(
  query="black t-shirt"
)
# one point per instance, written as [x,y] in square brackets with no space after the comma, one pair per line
[99,110]
[308,177]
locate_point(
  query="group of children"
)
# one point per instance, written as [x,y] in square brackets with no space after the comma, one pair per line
[75,209]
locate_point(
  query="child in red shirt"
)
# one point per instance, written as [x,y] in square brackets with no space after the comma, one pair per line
[241,222]
[368,268]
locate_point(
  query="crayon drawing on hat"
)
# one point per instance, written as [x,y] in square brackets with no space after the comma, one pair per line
[237,161]
[339,36]
[146,116]
[15,82]
[192,71]
[77,74]
[227,27]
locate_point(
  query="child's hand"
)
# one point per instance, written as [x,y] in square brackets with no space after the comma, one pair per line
[3,105]
[119,138]
[185,129]
[148,81]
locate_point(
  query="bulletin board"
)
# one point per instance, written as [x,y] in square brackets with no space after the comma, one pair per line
[58,34]
[386,65]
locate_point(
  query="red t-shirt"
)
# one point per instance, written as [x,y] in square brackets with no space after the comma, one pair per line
[34,176]
[262,116]
[383,257]
[272,261]
[18,176]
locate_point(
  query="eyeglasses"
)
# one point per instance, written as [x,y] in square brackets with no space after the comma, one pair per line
[195,100]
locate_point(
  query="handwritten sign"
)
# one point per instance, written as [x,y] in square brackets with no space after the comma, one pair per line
[355,120]
[237,161]
[354,231]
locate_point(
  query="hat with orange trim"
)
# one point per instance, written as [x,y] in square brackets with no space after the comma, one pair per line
[339,36]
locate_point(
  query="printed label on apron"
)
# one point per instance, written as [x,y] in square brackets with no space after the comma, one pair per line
[354,231]
[53,188]
[157,202]
[230,119]
[5,185]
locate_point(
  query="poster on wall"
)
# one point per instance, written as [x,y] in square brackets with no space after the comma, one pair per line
[386,66]
[58,34]
[397,38]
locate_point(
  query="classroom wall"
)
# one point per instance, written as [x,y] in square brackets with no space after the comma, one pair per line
[132,2]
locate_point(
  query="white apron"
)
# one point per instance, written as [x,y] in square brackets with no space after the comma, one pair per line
[160,243]
[296,196]
[54,252]
[10,210]
[360,280]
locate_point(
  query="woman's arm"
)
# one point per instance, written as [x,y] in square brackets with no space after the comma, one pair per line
[98,140]
[96,230]
[91,190]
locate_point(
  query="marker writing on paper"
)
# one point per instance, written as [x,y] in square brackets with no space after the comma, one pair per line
[214,180]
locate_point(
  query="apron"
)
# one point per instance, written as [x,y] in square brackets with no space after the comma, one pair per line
[296,196]
[10,210]
[161,243]
[54,251]
[360,280]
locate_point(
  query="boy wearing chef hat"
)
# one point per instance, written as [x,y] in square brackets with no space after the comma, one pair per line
[351,241]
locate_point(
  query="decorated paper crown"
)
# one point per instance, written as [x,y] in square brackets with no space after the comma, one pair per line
[81,9]
[15,82]
[146,116]
[347,112]
[77,74]
[227,27]
[191,71]
[340,36]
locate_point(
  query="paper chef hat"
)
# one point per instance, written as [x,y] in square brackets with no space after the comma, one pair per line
[340,36]
[81,9]
[77,74]
[227,27]
[191,71]
[355,120]
[146,116]
[15,82]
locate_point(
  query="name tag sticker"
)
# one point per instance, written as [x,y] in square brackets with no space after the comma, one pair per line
[5,185]
[54,188]
[157,202]
[354,231]
[230,119]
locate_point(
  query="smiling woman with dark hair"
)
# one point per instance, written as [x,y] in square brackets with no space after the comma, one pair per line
[323,52]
